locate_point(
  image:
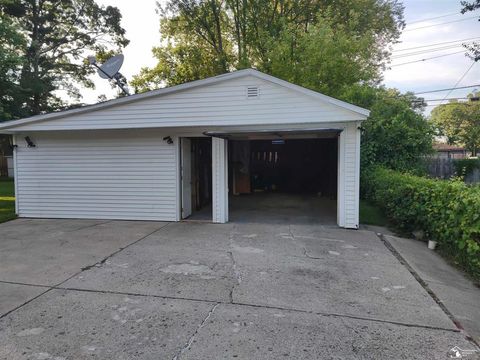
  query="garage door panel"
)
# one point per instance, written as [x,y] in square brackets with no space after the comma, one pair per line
[109,176]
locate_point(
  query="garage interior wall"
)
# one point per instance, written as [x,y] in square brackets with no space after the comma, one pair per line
[103,175]
[298,166]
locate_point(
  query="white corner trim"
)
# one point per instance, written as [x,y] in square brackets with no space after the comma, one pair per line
[178,191]
[341,180]
[15,172]
[219,180]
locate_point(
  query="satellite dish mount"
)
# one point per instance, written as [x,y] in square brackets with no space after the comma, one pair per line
[110,70]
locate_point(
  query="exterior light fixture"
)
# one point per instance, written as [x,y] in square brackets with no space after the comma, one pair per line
[29,141]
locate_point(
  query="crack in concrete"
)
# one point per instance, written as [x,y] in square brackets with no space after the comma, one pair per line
[237,274]
[192,338]
[305,251]
[90,226]
[425,286]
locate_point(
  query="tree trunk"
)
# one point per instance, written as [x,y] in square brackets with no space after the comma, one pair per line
[218,29]
[31,66]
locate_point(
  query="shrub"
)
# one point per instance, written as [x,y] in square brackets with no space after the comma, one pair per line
[447,211]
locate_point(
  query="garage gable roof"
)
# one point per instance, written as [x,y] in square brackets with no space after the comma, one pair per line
[51,121]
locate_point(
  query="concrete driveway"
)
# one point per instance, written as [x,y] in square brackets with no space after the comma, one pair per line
[85,289]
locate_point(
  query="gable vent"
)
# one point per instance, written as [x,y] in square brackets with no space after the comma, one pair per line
[253,92]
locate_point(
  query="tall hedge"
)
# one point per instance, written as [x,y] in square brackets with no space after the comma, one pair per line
[447,211]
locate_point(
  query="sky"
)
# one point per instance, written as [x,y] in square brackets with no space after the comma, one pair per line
[142,25]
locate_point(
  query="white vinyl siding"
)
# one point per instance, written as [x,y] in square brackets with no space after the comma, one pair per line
[221,104]
[351,178]
[113,175]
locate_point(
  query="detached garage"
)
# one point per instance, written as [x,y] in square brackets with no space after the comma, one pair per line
[198,150]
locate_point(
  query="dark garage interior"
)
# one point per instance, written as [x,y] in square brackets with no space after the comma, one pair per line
[277,179]
[201,164]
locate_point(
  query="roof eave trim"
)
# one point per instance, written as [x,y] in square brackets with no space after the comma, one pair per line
[124,100]
[11,125]
[326,98]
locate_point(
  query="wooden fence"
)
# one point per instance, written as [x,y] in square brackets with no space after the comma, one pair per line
[473,177]
[3,166]
[441,168]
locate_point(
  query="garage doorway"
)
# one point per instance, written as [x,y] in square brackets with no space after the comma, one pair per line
[196,178]
[281,180]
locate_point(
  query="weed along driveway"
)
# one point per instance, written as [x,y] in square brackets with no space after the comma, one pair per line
[91,289]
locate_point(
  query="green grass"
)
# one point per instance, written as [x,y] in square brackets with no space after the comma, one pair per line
[7,200]
[371,214]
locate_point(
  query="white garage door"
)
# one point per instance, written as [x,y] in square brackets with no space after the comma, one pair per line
[114,175]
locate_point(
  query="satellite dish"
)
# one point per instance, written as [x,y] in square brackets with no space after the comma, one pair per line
[110,67]
[109,70]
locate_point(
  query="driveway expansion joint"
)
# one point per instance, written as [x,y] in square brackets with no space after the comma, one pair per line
[58,286]
[102,262]
[425,286]
[268,307]
[24,284]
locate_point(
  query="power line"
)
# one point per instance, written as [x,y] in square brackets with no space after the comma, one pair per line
[447,22]
[460,80]
[430,58]
[426,51]
[436,44]
[453,103]
[440,90]
[428,100]
[433,18]
[435,91]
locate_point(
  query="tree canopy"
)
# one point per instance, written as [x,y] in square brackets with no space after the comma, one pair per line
[396,134]
[468,6]
[49,54]
[11,41]
[460,123]
[321,44]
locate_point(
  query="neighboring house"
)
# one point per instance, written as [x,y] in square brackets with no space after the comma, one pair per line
[446,151]
[160,155]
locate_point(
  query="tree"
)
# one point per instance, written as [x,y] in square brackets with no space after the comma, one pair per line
[58,36]
[308,42]
[474,49]
[460,123]
[11,43]
[396,134]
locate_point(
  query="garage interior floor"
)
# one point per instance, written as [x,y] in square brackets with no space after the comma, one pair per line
[91,289]
[276,208]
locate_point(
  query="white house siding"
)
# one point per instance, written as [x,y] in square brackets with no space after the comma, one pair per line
[114,175]
[220,104]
